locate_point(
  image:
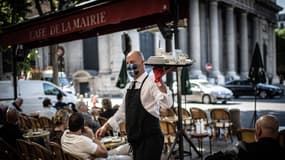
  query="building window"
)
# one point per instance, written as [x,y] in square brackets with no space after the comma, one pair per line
[147,44]
[90,54]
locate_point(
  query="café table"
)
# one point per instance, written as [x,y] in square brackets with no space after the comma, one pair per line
[111,142]
[33,134]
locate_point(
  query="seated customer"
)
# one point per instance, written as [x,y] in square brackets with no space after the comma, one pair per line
[17,104]
[88,117]
[11,131]
[60,104]
[48,110]
[266,145]
[61,123]
[107,107]
[73,141]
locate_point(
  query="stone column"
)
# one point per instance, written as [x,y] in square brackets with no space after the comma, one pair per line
[183,43]
[214,29]
[204,36]
[230,44]
[255,31]
[244,64]
[194,26]
[273,53]
[104,59]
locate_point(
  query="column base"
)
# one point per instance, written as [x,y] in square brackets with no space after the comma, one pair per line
[197,74]
[232,75]
[276,79]
[218,77]
[244,75]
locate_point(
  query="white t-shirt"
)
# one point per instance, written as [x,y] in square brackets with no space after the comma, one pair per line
[78,145]
[47,112]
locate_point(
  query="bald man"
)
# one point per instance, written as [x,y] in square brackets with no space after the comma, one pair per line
[17,104]
[266,146]
[140,109]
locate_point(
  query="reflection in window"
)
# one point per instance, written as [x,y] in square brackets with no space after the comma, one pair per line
[50,90]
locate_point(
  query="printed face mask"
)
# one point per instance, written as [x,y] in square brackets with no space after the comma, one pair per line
[132,70]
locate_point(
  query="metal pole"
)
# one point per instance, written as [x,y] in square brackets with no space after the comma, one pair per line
[179,123]
[14,61]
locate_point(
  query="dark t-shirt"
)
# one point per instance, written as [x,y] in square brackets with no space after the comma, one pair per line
[59,105]
[264,149]
[108,113]
[55,136]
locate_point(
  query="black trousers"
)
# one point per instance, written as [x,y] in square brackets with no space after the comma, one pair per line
[148,149]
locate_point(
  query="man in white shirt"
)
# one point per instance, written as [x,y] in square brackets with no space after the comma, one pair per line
[140,109]
[73,141]
[48,110]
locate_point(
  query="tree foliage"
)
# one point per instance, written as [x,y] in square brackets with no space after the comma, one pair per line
[16,11]
[13,11]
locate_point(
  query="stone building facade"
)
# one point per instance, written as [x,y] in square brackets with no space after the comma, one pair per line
[220,33]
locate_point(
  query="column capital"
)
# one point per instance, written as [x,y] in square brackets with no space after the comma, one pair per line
[229,7]
[214,2]
[244,13]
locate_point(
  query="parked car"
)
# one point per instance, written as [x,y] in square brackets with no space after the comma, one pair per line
[205,92]
[246,88]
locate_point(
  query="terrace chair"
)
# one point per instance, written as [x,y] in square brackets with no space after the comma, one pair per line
[24,123]
[221,120]
[7,151]
[69,156]
[56,150]
[35,123]
[123,130]
[169,131]
[186,118]
[246,135]
[40,152]
[198,114]
[281,138]
[24,148]
[46,123]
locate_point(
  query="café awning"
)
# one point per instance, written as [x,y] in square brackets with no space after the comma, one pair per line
[87,21]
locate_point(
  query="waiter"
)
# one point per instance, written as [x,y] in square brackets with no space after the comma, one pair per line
[140,109]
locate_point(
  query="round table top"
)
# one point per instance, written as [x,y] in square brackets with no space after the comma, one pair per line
[36,133]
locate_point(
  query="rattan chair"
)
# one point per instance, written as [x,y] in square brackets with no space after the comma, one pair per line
[35,123]
[56,150]
[169,131]
[198,114]
[46,123]
[69,156]
[221,120]
[281,138]
[24,148]
[24,123]
[7,151]
[246,135]
[123,131]
[40,152]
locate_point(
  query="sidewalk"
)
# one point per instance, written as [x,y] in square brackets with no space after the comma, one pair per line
[217,145]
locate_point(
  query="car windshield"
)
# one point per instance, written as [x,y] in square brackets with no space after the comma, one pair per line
[206,84]
[63,81]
